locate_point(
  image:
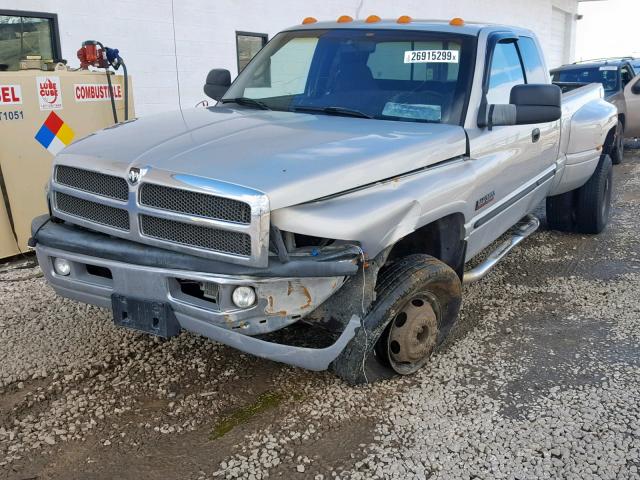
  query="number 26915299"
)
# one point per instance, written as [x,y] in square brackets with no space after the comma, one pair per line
[11,115]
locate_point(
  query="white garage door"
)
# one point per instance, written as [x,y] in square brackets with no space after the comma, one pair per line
[557,53]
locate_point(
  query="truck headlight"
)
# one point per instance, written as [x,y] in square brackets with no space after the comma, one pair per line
[62,266]
[244,297]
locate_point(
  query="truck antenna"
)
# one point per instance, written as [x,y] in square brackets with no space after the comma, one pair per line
[175,53]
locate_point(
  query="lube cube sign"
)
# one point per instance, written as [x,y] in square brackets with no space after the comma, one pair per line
[49,93]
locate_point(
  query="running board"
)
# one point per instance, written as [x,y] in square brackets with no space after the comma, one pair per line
[522,230]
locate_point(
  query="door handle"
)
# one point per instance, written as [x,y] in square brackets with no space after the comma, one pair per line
[535,135]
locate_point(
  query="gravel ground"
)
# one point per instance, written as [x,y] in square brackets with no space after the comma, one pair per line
[539,380]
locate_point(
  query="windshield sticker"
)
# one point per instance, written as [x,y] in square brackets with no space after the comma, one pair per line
[608,69]
[431,56]
[430,113]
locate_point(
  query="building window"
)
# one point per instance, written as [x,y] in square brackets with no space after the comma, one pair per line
[25,34]
[248,44]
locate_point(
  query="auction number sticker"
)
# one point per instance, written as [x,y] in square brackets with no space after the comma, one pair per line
[431,56]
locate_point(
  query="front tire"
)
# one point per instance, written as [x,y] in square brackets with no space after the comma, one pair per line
[417,302]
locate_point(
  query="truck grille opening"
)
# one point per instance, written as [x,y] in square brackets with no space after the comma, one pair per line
[93,182]
[207,238]
[94,212]
[194,203]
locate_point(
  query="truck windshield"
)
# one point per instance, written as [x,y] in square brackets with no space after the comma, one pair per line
[606,75]
[382,74]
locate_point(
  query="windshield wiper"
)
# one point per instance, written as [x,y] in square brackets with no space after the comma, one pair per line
[347,112]
[247,102]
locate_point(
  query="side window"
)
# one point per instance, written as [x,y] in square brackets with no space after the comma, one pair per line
[506,72]
[532,62]
[627,75]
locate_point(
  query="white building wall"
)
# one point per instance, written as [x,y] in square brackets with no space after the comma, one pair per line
[205,31]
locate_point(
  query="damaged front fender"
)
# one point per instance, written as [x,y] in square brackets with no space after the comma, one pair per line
[377,216]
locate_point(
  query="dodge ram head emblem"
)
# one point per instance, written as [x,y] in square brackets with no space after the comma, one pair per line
[134,175]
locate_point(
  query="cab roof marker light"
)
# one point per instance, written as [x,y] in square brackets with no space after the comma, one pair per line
[344,19]
[456,22]
[404,19]
[372,19]
[309,20]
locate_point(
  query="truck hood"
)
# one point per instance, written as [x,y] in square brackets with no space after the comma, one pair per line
[291,157]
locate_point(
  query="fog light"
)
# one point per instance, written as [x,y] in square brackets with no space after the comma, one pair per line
[244,297]
[62,266]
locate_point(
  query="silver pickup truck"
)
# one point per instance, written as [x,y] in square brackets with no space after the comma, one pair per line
[322,212]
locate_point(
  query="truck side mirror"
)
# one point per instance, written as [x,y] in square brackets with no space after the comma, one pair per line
[536,103]
[528,104]
[500,115]
[217,84]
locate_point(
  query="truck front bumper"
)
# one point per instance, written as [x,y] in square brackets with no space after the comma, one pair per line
[281,301]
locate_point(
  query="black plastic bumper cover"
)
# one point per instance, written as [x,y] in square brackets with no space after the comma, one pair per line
[68,237]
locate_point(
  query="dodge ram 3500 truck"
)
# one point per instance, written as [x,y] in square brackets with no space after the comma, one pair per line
[340,184]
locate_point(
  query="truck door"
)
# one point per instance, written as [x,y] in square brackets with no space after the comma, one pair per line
[514,164]
[632,100]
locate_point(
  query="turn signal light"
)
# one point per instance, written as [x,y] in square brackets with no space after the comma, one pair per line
[309,20]
[404,19]
[345,19]
[373,19]
[456,22]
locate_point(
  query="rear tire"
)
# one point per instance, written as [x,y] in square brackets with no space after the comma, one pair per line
[594,199]
[417,302]
[617,150]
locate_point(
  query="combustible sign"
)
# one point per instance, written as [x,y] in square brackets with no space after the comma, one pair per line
[10,95]
[54,134]
[96,92]
[49,93]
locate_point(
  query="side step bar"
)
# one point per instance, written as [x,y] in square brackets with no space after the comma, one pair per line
[522,230]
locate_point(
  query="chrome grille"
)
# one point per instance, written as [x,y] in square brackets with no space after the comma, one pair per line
[195,215]
[92,211]
[236,243]
[93,182]
[194,203]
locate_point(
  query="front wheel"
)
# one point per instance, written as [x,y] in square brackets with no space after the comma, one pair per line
[417,302]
